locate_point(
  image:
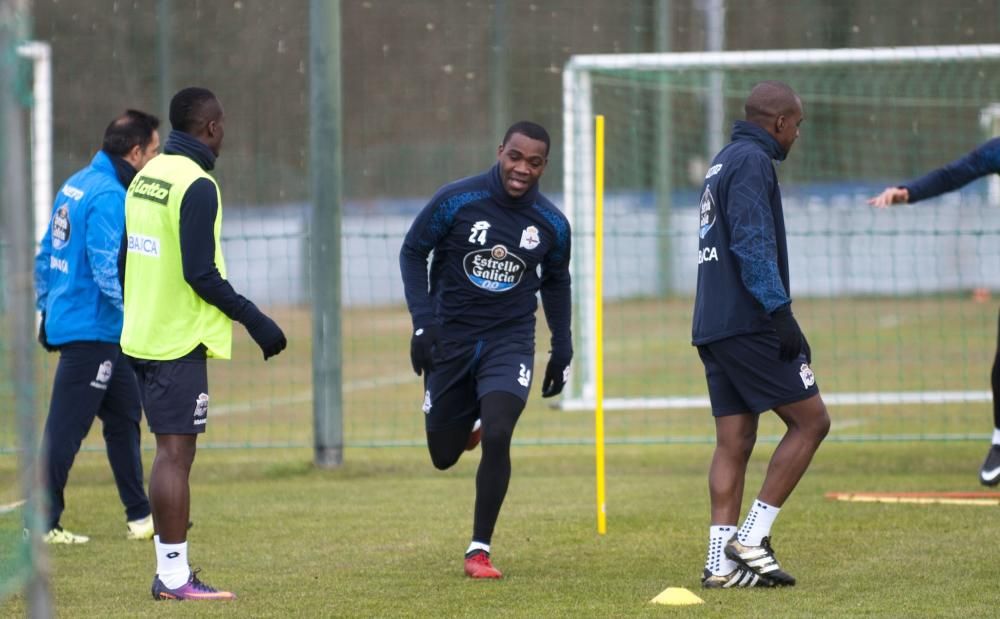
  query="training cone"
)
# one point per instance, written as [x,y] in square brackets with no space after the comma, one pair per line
[677,596]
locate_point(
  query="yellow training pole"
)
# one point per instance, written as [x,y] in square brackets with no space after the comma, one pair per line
[602,521]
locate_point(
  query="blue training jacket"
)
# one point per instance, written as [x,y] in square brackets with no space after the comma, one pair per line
[742,250]
[76,269]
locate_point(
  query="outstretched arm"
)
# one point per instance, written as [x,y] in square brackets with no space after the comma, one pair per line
[984,160]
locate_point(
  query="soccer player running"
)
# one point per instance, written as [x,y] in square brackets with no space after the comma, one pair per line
[983,160]
[474,325]
[80,298]
[755,356]
[179,310]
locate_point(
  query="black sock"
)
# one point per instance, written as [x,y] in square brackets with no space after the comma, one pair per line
[499,412]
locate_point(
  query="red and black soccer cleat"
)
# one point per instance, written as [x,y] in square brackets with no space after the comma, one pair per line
[477,565]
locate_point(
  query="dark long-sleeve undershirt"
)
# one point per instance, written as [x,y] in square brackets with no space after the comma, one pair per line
[983,160]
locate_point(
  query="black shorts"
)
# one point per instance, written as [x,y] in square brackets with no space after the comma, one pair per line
[466,371]
[174,393]
[745,375]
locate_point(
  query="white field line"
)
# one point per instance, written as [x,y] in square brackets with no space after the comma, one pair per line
[877,398]
[9,507]
[306,395]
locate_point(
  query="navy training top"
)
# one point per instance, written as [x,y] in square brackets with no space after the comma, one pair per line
[742,250]
[492,253]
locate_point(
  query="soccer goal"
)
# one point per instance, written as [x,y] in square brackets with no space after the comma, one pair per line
[885,296]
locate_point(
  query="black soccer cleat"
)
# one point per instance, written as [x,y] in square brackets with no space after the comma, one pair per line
[989,474]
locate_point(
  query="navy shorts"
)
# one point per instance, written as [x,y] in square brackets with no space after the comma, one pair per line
[174,393]
[466,371]
[745,375]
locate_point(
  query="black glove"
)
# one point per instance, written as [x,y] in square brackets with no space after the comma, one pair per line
[422,348]
[556,373]
[790,337]
[43,339]
[263,330]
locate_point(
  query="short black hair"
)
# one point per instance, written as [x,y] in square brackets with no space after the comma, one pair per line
[187,106]
[528,129]
[769,99]
[131,129]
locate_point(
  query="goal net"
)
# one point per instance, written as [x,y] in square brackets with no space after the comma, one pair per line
[895,303]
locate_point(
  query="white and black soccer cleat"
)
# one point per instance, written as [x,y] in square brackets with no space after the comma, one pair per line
[760,560]
[740,577]
[989,474]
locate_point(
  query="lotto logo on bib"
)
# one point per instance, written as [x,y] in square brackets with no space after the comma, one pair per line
[495,269]
[152,189]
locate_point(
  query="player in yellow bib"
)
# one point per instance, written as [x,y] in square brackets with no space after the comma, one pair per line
[179,310]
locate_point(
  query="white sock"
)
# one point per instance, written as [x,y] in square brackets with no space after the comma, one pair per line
[172,563]
[478,546]
[716,561]
[996,436]
[758,523]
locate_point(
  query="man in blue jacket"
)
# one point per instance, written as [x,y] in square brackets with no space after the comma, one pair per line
[756,358]
[80,298]
[983,160]
[497,242]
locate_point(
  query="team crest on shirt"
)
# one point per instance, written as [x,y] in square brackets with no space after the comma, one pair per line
[807,376]
[103,376]
[708,212]
[60,227]
[530,238]
[495,269]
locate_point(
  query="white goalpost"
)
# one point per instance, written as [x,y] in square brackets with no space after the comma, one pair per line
[852,81]
[40,54]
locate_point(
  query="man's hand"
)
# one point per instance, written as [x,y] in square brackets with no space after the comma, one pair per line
[43,339]
[263,330]
[790,337]
[422,348]
[556,374]
[890,196]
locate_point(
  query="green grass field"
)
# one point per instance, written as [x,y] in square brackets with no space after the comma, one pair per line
[384,537]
